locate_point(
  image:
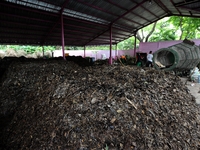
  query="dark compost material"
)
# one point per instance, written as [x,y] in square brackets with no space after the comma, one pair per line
[59,105]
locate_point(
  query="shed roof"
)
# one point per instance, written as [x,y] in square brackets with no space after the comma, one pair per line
[86,22]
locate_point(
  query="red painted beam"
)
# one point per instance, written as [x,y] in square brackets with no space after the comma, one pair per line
[175,6]
[36,36]
[97,36]
[42,12]
[186,8]
[46,13]
[27,18]
[186,2]
[21,7]
[125,30]
[100,9]
[63,38]
[56,23]
[95,24]
[110,58]
[17,23]
[163,7]
[118,19]
[37,26]
[63,6]
[127,10]
[146,9]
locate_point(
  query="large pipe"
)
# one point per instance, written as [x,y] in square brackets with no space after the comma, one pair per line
[182,56]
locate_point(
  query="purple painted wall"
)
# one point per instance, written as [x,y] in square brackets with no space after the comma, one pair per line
[97,54]
[154,46]
[143,47]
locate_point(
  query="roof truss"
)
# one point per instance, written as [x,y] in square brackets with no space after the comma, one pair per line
[38,22]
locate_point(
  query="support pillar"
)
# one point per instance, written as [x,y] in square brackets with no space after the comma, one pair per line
[63,38]
[84,50]
[116,52]
[43,51]
[110,58]
[134,55]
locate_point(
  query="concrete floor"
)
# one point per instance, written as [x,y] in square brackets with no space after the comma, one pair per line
[194,89]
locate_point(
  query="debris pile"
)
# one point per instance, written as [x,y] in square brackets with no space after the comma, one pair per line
[59,105]
[101,62]
[80,60]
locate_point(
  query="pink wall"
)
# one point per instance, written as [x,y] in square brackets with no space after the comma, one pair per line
[95,53]
[143,47]
[154,46]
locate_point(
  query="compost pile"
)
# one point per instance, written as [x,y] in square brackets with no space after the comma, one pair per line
[59,105]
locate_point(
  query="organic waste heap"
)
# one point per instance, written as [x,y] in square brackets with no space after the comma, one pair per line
[58,105]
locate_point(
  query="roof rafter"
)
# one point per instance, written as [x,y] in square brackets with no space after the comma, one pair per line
[107,12]
[56,23]
[146,9]
[85,22]
[117,19]
[186,2]
[176,7]
[22,17]
[162,6]
[127,10]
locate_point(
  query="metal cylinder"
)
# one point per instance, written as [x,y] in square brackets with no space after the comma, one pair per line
[182,56]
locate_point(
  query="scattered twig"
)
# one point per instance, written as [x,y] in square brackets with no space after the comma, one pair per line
[131,103]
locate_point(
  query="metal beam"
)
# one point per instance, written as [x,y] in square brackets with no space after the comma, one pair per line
[151,22]
[80,27]
[163,7]
[21,26]
[110,58]
[56,23]
[127,10]
[189,9]
[186,2]
[94,23]
[134,55]
[20,7]
[17,23]
[38,11]
[63,6]
[39,26]
[146,9]
[84,51]
[118,19]
[63,38]
[96,36]
[103,10]
[175,7]
[27,18]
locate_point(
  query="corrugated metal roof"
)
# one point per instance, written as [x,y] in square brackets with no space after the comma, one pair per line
[86,22]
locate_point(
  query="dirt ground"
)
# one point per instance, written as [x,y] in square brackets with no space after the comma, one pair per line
[194,89]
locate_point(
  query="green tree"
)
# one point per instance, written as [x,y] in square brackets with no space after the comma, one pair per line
[164,31]
[126,44]
[186,27]
[144,33]
[161,30]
